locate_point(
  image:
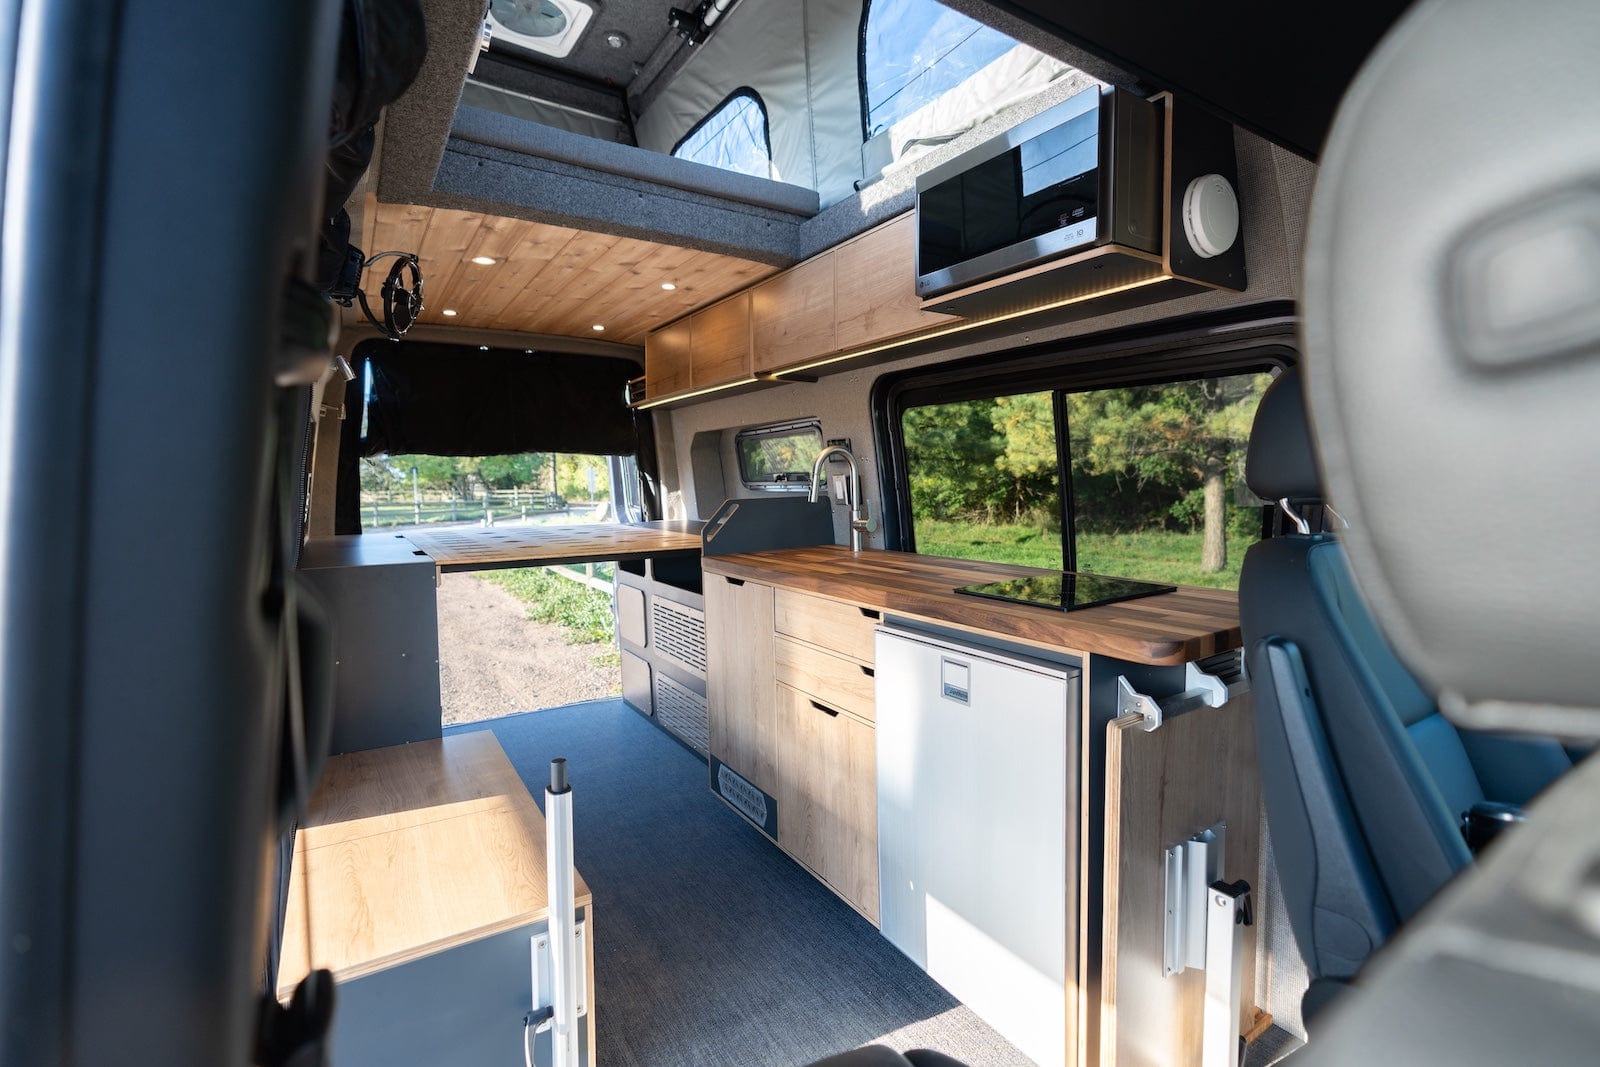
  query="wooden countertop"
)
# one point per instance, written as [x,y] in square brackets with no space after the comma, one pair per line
[409,851]
[469,548]
[476,548]
[1168,629]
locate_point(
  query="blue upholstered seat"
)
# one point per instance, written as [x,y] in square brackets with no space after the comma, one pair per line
[1365,782]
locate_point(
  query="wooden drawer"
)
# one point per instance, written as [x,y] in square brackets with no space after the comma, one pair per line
[844,628]
[842,684]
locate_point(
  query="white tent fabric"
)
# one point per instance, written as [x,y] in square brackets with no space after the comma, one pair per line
[1018,74]
[810,89]
[521,106]
[812,93]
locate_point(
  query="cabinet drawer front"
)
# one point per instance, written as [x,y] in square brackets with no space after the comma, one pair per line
[838,682]
[844,628]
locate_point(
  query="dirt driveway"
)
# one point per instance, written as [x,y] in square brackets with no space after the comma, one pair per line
[494,660]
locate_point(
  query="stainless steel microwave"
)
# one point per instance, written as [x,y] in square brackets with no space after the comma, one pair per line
[1084,173]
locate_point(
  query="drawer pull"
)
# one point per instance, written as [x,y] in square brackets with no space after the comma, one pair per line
[825,710]
[733,581]
[871,613]
[868,671]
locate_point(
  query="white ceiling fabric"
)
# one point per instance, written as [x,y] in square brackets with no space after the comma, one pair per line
[811,90]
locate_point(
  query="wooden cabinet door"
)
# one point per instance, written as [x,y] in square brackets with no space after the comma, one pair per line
[828,795]
[666,360]
[721,342]
[876,286]
[803,778]
[793,315]
[740,689]
[851,856]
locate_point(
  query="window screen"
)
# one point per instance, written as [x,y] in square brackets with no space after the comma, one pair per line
[1154,479]
[778,457]
[915,51]
[732,137]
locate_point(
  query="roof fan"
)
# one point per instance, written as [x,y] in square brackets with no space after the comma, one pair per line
[548,27]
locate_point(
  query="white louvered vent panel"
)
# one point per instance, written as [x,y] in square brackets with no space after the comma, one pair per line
[683,711]
[679,633]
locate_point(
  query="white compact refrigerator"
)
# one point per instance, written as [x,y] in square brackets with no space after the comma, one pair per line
[977,779]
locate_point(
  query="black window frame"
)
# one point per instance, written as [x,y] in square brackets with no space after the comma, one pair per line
[1235,342]
[766,126]
[776,429]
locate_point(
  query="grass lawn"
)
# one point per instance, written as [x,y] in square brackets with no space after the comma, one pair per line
[584,613]
[1154,555]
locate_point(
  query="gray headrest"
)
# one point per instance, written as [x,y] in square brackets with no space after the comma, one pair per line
[1452,337]
[1280,462]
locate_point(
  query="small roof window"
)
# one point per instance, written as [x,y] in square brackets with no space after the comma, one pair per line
[733,137]
[929,74]
[915,51]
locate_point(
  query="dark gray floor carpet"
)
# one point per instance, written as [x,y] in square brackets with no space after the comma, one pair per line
[711,946]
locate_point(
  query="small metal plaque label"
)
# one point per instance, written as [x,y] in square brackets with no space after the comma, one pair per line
[956,681]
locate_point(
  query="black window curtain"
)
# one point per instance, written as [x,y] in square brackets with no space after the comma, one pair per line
[460,400]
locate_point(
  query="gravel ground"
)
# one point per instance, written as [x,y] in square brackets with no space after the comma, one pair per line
[494,660]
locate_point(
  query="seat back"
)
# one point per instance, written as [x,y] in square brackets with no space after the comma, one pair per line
[1364,780]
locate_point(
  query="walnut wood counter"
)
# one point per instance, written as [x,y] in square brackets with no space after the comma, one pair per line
[1163,630]
[409,851]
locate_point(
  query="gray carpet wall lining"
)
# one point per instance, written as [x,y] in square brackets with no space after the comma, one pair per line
[479,177]
[531,138]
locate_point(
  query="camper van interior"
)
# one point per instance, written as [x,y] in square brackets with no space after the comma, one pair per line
[867,533]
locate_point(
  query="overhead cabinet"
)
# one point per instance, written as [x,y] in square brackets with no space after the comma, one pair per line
[854,296]
[705,350]
[877,290]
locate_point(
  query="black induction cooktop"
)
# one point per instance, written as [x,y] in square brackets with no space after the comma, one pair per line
[1066,591]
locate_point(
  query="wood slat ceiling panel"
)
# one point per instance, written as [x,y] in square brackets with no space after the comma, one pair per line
[549,279]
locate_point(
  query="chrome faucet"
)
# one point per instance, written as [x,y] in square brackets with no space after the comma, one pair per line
[861,522]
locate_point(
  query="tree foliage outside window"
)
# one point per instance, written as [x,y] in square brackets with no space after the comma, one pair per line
[448,489]
[733,137]
[914,51]
[1156,479]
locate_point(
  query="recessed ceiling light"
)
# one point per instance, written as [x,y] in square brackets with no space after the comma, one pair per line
[598,327]
[483,261]
[668,286]
[448,313]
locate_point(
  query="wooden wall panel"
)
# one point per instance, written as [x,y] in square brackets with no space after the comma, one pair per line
[1162,788]
[548,279]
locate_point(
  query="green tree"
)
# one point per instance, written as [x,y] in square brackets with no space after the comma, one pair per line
[951,453]
[1026,424]
[1174,436]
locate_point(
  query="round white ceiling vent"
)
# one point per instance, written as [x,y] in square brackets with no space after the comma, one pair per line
[549,27]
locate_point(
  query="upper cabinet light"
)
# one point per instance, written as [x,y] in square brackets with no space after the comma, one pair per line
[549,27]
